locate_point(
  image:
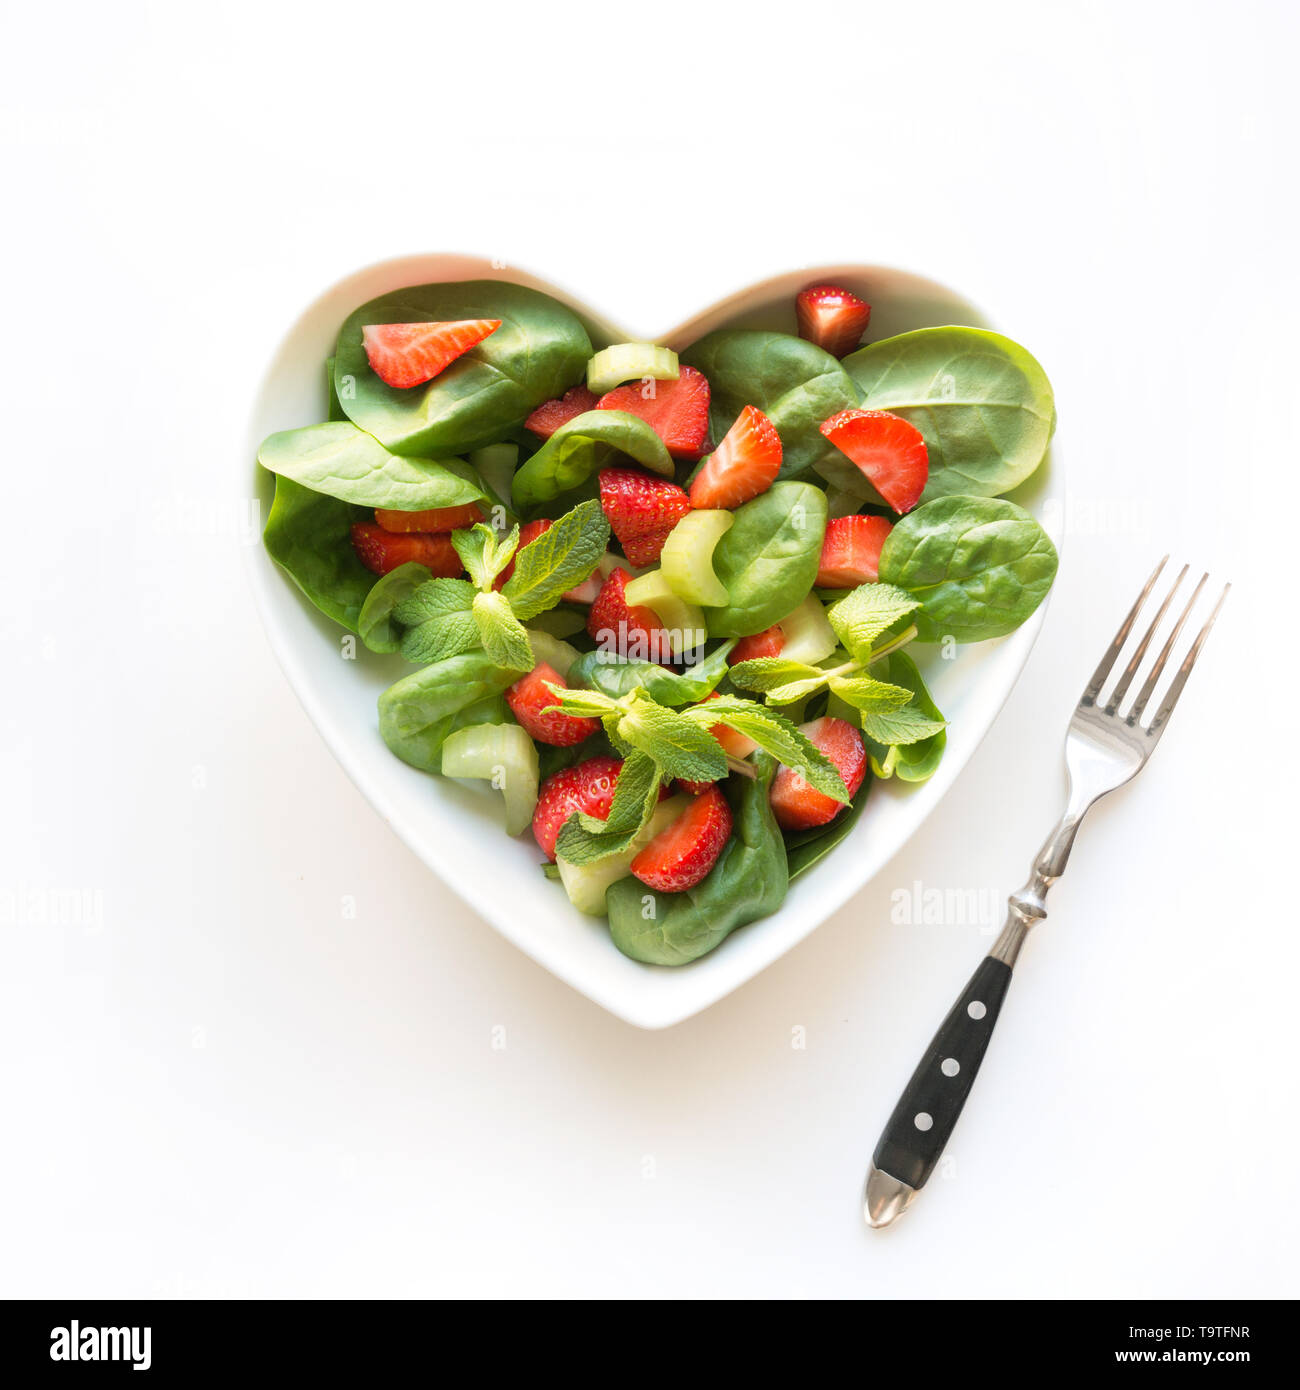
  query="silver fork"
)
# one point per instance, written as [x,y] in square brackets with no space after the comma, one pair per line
[1103,750]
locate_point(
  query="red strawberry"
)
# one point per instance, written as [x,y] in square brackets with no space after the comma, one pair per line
[615,626]
[529,531]
[832,318]
[743,465]
[381,550]
[433,519]
[798,806]
[769,642]
[550,415]
[694,788]
[642,511]
[677,411]
[588,787]
[888,449]
[529,702]
[408,354]
[851,551]
[679,857]
[736,744]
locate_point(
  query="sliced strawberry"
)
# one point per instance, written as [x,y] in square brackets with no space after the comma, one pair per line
[694,788]
[381,551]
[798,806]
[889,450]
[408,354]
[679,857]
[590,587]
[851,551]
[529,702]
[677,411]
[588,787]
[733,743]
[769,642]
[630,631]
[550,415]
[832,318]
[432,519]
[528,532]
[642,511]
[743,465]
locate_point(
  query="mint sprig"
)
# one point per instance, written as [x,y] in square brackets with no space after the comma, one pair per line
[558,560]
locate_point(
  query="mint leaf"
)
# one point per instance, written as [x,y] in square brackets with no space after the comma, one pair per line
[771,672]
[906,725]
[776,735]
[586,839]
[865,692]
[434,599]
[678,744]
[558,560]
[863,615]
[587,704]
[501,633]
[481,554]
[439,621]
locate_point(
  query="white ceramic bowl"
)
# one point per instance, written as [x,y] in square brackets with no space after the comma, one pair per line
[455,828]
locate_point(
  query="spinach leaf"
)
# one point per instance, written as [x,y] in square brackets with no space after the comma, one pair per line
[909,762]
[310,535]
[583,445]
[334,408]
[768,561]
[420,710]
[805,848]
[616,675]
[979,565]
[540,350]
[378,627]
[748,881]
[982,402]
[345,462]
[793,382]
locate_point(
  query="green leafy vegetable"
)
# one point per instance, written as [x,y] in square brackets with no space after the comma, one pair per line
[776,736]
[585,839]
[439,619]
[501,633]
[558,560]
[378,625]
[681,747]
[583,445]
[899,726]
[917,760]
[310,536]
[864,692]
[861,616]
[483,554]
[616,676]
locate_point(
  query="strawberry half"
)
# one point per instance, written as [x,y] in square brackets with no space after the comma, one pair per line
[530,702]
[677,411]
[588,787]
[409,354]
[851,551]
[796,805]
[832,318]
[380,550]
[769,642]
[528,532]
[550,415]
[617,627]
[889,450]
[679,857]
[642,511]
[431,519]
[743,465]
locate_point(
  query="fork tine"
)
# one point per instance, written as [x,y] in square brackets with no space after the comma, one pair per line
[1122,685]
[1180,680]
[1094,686]
[1139,705]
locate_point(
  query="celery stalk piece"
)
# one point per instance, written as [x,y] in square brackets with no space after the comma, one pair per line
[687,557]
[550,649]
[504,755]
[630,362]
[684,622]
[809,636]
[496,465]
[586,884]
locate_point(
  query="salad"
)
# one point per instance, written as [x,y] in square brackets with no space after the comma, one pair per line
[668,608]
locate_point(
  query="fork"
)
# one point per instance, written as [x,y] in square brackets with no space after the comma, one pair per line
[1103,750]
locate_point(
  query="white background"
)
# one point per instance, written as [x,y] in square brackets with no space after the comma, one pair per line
[224,1085]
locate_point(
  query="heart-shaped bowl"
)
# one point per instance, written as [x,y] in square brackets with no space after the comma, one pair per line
[455,828]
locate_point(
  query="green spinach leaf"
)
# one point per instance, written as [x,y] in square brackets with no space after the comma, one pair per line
[584,445]
[616,675]
[378,624]
[310,536]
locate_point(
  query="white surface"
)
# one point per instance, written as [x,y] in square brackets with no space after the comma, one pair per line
[456,830]
[230,1085]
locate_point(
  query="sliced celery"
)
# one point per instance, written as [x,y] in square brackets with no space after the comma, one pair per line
[586,884]
[683,621]
[630,362]
[505,755]
[809,636]
[496,465]
[550,649]
[687,557]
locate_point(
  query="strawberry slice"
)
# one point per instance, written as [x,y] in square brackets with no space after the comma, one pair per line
[796,805]
[832,318]
[851,551]
[642,511]
[588,787]
[743,465]
[431,519]
[409,354]
[769,642]
[528,532]
[529,702]
[677,411]
[888,449]
[550,415]
[679,857]
[380,550]
[616,626]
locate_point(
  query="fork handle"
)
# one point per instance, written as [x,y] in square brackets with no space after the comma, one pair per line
[923,1120]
